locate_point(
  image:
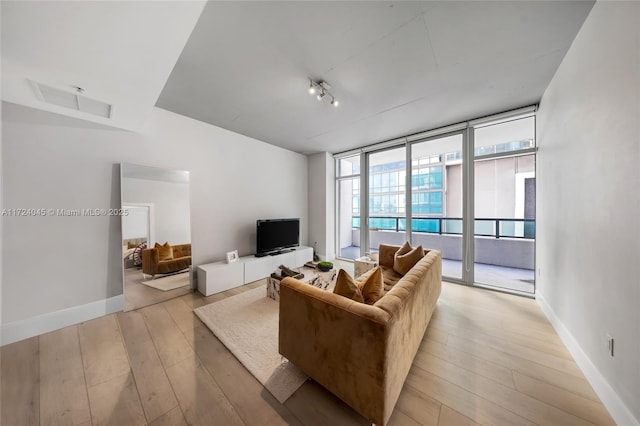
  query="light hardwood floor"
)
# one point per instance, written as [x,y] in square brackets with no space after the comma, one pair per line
[138,295]
[487,358]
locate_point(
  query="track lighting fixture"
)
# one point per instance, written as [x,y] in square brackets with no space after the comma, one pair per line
[322,89]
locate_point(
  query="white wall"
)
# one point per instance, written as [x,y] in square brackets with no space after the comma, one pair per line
[170,201]
[1,233]
[50,161]
[588,212]
[322,204]
[135,224]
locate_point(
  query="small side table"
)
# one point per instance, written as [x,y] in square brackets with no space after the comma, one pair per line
[273,288]
[364,264]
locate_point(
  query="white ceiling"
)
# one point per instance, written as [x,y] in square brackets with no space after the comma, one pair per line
[396,67]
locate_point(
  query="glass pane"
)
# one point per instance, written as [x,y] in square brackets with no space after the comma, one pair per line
[349,218]
[437,215]
[505,209]
[387,174]
[505,137]
[349,166]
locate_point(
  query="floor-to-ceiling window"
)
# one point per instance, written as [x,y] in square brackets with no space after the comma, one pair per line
[504,204]
[387,197]
[436,199]
[479,213]
[348,211]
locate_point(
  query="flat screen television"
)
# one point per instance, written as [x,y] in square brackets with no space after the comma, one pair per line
[276,236]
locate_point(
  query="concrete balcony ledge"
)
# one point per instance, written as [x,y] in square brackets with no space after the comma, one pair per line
[507,252]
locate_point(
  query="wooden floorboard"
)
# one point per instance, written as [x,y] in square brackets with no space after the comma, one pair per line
[418,407]
[103,353]
[116,402]
[465,402]
[450,417]
[63,390]
[168,339]
[565,400]
[156,394]
[20,384]
[486,359]
[170,418]
[201,400]
[249,398]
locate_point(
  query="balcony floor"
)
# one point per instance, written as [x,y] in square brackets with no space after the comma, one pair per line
[502,277]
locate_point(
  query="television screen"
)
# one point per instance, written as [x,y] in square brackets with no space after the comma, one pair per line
[274,235]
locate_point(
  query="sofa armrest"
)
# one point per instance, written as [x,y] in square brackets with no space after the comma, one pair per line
[340,343]
[150,259]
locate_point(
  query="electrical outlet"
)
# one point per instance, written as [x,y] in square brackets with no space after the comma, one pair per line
[610,342]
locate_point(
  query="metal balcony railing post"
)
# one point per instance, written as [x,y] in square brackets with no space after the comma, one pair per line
[497,228]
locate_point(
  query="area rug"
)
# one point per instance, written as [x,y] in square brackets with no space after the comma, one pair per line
[169,283]
[247,324]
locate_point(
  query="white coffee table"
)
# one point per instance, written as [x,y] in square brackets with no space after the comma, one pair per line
[314,277]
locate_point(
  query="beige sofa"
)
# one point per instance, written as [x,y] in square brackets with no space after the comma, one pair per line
[361,353]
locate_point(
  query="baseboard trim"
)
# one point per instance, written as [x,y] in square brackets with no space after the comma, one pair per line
[617,408]
[40,324]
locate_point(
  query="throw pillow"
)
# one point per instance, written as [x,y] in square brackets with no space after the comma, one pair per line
[406,248]
[347,287]
[137,254]
[372,286]
[165,251]
[402,263]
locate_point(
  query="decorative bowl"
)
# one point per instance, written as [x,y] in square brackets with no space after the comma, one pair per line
[325,266]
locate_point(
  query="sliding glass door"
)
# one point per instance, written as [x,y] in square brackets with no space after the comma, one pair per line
[387,175]
[468,192]
[348,202]
[436,199]
[504,206]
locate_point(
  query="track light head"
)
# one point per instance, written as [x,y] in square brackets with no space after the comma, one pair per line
[321,89]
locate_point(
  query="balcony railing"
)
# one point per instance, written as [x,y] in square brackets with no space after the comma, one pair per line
[484,227]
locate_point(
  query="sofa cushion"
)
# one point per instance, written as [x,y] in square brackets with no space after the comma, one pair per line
[371,285]
[389,278]
[406,248]
[386,253]
[346,286]
[165,251]
[403,262]
[367,289]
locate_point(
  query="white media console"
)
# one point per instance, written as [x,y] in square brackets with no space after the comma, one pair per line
[220,276]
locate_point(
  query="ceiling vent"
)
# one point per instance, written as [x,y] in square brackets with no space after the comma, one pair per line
[71,100]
